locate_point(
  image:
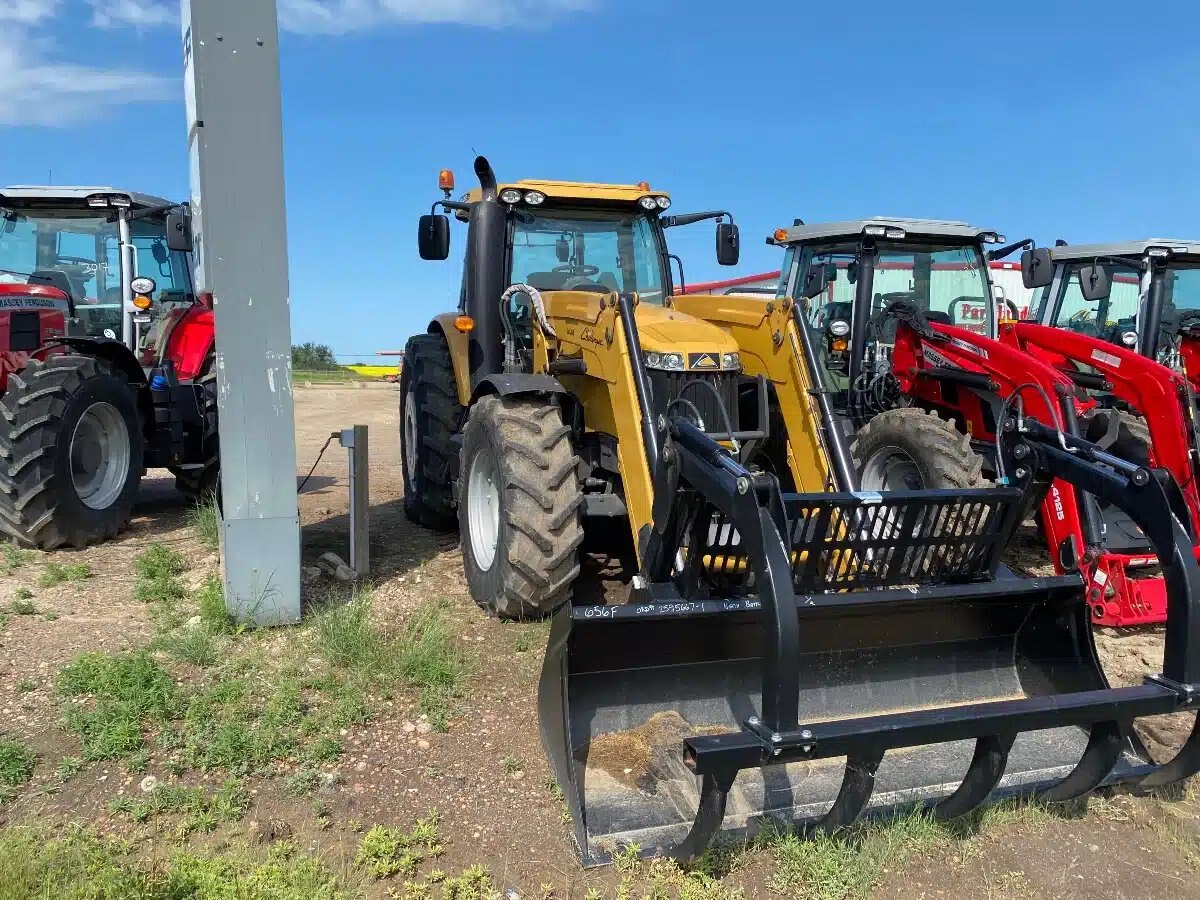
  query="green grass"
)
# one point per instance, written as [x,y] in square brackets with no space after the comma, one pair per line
[210,597]
[80,864]
[190,644]
[384,852]
[16,763]
[68,767]
[206,520]
[159,561]
[424,654]
[123,694]
[22,606]
[201,811]
[13,557]
[511,765]
[26,685]
[57,573]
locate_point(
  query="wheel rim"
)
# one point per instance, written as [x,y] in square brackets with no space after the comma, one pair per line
[891,469]
[100,454]
[410,436]
[483,509]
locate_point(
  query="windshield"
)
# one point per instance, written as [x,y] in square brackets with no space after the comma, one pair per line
[1106,318]
[78,251]
[949,283]
[588,251]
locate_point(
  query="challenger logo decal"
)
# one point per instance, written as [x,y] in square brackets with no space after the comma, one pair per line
[703,361]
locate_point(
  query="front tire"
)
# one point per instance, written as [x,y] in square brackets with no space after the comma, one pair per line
[71,452]
[911,449]
[519,507]
[430,419]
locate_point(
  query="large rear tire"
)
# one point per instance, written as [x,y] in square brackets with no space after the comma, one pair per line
[911,449]
[70,452]
[430,419]
[199,483]
[519,507]
[1121,433]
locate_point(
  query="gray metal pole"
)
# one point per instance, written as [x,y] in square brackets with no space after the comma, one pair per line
[235,138]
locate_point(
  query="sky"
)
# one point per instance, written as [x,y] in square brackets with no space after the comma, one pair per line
[1073,120]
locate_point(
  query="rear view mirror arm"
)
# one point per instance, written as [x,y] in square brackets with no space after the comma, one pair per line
[1010,249]
[692,218]
[450,205]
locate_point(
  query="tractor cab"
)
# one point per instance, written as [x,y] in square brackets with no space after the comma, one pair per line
[106,250]
[855,275]
[1143,295]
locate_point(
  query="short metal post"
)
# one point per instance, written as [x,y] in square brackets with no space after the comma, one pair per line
[355,440]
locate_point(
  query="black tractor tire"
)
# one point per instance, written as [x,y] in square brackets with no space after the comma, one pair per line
[1132,439]
[42,407]
[428,390]
[199,484]
[523,448]
[932,453]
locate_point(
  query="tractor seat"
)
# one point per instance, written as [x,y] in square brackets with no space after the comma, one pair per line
[57,279]
[548,281]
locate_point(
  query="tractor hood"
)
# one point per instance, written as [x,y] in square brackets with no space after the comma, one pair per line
[665,330]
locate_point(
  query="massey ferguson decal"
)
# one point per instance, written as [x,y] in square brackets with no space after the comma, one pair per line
[934,358]
[30,303]
[1107,358]
[970,348]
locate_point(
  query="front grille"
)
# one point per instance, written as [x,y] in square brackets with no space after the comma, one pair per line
[668,386]
[24,331]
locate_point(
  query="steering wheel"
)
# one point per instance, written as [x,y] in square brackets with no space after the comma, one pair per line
[1086,327]
[577,270]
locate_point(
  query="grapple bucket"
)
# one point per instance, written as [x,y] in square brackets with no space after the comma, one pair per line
[803,658]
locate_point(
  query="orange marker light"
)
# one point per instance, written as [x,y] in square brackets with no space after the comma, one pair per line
[839,346]
[643,185]
[781,235]
[446,180]
[465,324]
[141,301]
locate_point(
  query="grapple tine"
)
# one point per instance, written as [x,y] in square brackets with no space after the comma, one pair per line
[1105,744]
[857,785]
[714,791]
[985,772]
[1184,764]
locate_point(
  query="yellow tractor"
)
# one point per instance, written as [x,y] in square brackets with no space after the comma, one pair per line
[535,405]
[792,650]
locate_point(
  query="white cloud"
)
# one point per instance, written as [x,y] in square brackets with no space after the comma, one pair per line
[27,12]
[136,13]
[35,92]
[342,16]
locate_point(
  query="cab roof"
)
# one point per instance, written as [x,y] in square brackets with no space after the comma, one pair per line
[912,228]
[586,191]
[1135,249]
[47,195]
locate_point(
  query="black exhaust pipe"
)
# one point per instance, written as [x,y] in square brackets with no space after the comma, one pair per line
[487,242]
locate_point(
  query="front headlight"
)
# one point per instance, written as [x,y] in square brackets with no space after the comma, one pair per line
[648,203]
[1129,339]
[839,328]
[731,361]
[663,202]
[510,195]
[671,362]
[143,285]
[535,198]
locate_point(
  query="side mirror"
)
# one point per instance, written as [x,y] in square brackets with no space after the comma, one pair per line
[819,277]
[179,230]
[160,253]
[562,250]
[729,244]
[1095,283]
[433,237]
[1037,269]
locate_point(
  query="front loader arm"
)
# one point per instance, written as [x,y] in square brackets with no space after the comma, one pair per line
[769,342]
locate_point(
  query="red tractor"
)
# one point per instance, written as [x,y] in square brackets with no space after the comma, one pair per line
[107,360]
[915,326]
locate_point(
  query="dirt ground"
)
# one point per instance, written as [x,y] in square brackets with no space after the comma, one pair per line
[486,775]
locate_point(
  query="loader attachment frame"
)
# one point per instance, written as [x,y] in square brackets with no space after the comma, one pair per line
[752,610]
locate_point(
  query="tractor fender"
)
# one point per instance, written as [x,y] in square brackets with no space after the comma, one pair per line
[517,385]
[110,350]
[458,344]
